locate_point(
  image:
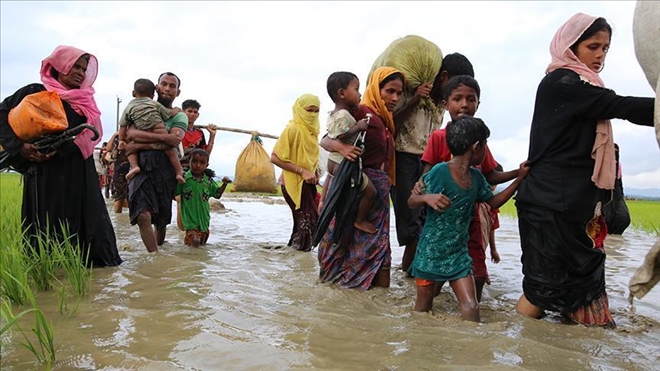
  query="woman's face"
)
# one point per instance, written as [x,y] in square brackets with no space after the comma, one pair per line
[76,76]
[593,50]
[312,109]
[391,92]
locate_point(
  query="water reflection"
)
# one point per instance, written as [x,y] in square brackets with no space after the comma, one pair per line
[247,302]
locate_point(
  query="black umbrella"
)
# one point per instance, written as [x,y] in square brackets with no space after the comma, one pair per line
[45,144]
[340,200]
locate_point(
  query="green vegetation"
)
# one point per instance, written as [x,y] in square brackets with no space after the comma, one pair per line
[46,262]
[644,214]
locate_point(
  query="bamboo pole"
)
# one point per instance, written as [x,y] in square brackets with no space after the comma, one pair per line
[240,131]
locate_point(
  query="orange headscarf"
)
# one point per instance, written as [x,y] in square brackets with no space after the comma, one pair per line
[373,100]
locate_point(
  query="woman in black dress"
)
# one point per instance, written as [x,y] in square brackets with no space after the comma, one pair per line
[571,154]
[62,186]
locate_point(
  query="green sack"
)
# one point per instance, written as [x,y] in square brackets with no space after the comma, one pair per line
[417,58]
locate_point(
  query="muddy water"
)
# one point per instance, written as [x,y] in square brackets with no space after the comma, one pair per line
[247,302]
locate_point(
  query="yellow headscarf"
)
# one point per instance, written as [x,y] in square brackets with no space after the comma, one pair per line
[299,144]
[373,100]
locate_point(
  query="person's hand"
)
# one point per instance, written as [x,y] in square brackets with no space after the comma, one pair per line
[423,91]
[308,176]
[523,170]
[363,125]
[211,128]
[419,187]
[175,110]
[349,151]
[30,152]
[437,201]
[494,256]
[321,202]
[226,180]
[122,145]
[171,140]
[131,148]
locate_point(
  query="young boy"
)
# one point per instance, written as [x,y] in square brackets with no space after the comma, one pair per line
[343,88]
[147,114]
[453,188]
[461,95]
[195,194]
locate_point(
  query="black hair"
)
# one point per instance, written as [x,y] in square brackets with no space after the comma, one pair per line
[465,131]
[339,80]
[600,24]
[199,152]
[499,167]
[56,74]
[392,77]
[144,87]
[455,81]
[178,80]
[190,103]
[456,64]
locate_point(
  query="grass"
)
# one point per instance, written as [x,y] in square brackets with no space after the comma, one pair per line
[53,258]
[643,214]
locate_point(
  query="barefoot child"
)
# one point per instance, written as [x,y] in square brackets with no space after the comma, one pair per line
[452,189]
[343,88]
[195,194]
[461,95]
[147,114]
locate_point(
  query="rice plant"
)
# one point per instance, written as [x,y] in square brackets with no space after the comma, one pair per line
[73,262]
[44,347]
[43,263]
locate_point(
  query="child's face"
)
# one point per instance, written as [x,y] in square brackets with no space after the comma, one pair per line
[462,101]
[351,95]
[198,164]
[192,113]
[391,93]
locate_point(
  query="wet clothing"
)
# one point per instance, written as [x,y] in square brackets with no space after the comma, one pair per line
[437,151]
[195,195]
[562,269]
[355,260]
[192,139]
[616,213]
[145,113]
[152,189]
[442,253]
[64,188]
[408,221]
[305,217]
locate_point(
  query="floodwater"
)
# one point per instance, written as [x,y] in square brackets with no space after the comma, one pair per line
[246,302]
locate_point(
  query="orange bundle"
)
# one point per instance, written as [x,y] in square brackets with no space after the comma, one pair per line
[38,114]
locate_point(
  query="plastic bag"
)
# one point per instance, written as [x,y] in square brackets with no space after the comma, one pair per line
[254,171]
[38,114]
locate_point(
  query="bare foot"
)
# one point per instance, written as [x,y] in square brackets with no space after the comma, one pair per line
[365,227]
[132,173]
[180,179]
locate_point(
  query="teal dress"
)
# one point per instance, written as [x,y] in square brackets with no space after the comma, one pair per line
[442,252]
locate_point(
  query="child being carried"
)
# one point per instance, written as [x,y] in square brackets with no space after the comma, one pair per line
[343,88]
[149,115]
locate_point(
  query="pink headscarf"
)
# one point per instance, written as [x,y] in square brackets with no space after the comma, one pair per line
[81,100]
[563,57]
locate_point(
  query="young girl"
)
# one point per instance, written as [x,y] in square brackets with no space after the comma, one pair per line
[195,194]
[452,188]
[296,153]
